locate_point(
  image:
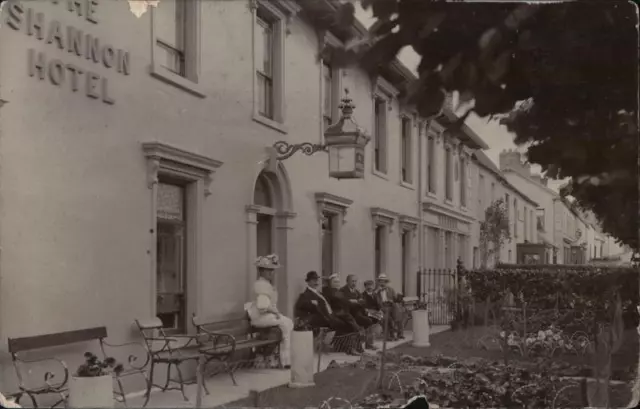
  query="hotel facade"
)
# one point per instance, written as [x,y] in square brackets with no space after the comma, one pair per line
[136,178]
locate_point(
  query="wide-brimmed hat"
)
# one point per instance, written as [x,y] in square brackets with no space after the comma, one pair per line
[270,262]
[383,277]
[312,275]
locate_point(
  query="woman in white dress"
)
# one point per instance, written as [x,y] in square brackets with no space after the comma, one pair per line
[263,311]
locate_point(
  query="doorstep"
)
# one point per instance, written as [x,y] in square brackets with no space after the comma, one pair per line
[222,390]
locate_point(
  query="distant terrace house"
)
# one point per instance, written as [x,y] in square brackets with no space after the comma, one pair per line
[562,229]
[492,186]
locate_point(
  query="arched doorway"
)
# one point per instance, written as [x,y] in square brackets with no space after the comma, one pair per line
[268,218]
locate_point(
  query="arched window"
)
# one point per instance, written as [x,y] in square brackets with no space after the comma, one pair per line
[262,195]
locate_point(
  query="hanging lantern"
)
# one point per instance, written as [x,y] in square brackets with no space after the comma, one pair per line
[345,141]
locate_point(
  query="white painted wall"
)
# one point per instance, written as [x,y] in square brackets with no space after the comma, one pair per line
[76,214]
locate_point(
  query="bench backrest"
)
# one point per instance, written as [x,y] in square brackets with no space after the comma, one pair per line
[150,329]
[240,326]
[23,344]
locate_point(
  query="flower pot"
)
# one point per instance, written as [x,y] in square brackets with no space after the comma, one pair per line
[421,330]
[91,392]
[301,359]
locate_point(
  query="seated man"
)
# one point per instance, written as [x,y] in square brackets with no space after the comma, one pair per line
[372,306]
[388,299]
[357,308]
[350,343]
[313,308]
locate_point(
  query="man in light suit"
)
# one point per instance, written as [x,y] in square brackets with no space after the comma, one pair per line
[389,299]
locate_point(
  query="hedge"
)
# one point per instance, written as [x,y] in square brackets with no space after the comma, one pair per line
[558,286]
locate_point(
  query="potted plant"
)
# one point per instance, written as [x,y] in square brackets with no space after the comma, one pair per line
[92,384]
[420,325]
[302,345]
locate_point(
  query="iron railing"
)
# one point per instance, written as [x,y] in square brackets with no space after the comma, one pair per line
[436,288]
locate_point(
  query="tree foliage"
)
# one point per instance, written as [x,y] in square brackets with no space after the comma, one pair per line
[574,63]
[494,231]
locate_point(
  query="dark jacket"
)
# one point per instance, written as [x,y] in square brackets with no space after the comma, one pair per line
[305,307]
[339,304]
[353,294]
[371,301]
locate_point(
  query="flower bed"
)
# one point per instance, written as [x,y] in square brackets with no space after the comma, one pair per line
[558,368]
[545,343]
[480,383]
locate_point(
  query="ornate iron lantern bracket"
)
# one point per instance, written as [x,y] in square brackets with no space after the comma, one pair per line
[285,150]
[344,141]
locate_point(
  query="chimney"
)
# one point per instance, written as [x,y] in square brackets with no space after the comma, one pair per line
[510,159]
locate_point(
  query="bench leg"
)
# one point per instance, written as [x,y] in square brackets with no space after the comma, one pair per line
[149,385]
[63,400]
[181,379]
[230,370]
[124,398]
[166,384]
[31,397]
[204,371]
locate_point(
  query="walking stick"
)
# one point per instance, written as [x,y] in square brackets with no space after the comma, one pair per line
[385,329]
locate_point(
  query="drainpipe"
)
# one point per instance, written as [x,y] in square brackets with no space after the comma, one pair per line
[420,215]
[321,100]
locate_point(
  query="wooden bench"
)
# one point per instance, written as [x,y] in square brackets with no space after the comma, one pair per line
[224,340]
[56,383]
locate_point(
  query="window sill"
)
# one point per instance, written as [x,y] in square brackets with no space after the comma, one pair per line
[270,123]
[408,185]
[380,174]
[174,79]
[464,209]
[448,202]
[431,195]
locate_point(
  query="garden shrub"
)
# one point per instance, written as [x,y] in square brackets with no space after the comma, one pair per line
[568,288]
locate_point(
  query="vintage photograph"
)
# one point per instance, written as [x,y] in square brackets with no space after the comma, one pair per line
[319,204]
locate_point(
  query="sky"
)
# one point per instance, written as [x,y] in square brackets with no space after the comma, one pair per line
[494,134]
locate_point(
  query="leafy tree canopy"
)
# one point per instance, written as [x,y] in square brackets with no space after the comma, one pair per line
[574,64]
[494,230]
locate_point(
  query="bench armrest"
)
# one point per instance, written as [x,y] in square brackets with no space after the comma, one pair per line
[167,339]
[165,348]
[216,337]
[48,376]
[133,359]
[191,338]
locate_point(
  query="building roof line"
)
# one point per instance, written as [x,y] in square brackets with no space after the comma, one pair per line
[398,68]
[484,161]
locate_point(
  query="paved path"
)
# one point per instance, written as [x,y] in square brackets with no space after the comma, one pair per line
[222,390]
